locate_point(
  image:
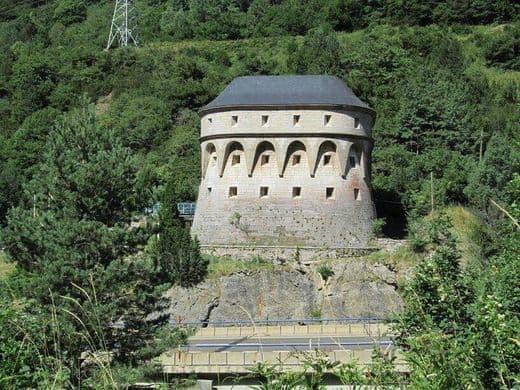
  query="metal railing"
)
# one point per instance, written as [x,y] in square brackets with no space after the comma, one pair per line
[275,322]
[186,208]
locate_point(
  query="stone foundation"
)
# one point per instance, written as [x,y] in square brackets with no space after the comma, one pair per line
[285,254]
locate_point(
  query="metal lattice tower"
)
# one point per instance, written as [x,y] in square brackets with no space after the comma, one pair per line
[123,27]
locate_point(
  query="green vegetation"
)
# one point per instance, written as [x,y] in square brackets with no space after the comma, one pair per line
[177,254]
[5,267]
[460,325]
[380,373]
[401,258]
[443,77]
[325,271]
[225,265]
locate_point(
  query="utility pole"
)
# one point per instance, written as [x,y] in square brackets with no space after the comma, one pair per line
[123,27]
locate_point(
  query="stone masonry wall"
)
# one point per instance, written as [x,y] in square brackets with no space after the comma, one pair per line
[297,189]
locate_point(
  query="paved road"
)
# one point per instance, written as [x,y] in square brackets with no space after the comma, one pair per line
[296,343]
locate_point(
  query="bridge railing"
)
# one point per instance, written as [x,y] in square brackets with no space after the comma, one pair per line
[186,208]
[280,321]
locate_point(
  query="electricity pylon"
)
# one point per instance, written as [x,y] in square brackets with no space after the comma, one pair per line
[123,25]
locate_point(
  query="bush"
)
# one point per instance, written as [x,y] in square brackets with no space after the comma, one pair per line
[70,11]
[378,225]
[177,253]
[325,271]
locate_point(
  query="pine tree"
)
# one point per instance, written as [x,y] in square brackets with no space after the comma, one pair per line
[72,237]
[178,254]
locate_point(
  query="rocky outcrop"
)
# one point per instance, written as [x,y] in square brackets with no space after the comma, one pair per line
[357,288]
[360,289]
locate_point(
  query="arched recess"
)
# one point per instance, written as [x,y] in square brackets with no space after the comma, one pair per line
[209,158]
[231,147]
[354,161]
[366,160]
[327,155]
[264,150]
[295,149]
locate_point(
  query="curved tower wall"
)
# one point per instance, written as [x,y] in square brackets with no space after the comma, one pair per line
[285,177]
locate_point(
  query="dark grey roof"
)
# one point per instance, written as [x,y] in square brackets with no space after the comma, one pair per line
[286,91]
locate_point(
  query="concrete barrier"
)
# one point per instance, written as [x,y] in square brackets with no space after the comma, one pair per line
[357,329]
[242,362]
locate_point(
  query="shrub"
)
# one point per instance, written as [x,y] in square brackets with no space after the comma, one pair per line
[378,225]
[325,271]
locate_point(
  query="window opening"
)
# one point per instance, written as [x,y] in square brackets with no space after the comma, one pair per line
[210,120]
[356,123]
[296,120]
[264,191]
[326,120]
[264,159]
[356,194]
[209,189]
[233,191]
[296,159]
[235,159]
[296,192]
[265,119]
[326,159]
[352,162]
[234,120]
[329,193]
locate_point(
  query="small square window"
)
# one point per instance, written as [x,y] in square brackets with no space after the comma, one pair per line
[296,120]
[235,159]
[296,192]
[233,191]
[296,159]
[215,158]
[264,160]
[356,194]
[326,120]
[265,119]
[357,124]
[264,191]
[210,120]
[329,193]
[352,162]
[209,190]
[234,120]
[326,159]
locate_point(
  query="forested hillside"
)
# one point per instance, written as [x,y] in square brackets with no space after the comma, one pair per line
[443,77]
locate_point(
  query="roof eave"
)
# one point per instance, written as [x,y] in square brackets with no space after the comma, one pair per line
[207,110]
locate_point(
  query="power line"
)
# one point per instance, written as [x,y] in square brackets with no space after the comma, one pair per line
[123,26]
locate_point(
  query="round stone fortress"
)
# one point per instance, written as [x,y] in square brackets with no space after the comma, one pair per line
[285,162]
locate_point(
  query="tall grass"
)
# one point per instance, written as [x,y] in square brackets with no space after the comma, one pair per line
[5,266]
[222,266]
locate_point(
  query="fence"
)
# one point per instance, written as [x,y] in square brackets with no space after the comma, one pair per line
[281,321]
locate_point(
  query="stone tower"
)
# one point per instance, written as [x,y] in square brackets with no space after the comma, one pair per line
[285,162]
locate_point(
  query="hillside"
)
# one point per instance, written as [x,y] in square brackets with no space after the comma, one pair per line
[443,96]
[91,138]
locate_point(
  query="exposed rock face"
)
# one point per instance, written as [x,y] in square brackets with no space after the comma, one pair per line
[360,289]
[276,294]
[356,289]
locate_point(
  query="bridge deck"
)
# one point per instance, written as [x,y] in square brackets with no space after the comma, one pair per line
[219,350]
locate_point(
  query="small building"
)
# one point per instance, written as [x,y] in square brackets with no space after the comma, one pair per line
[285,162]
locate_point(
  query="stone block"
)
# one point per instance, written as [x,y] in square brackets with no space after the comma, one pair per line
[200,358]
[252,357]
[363,356]
[218,358]
[235,358]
